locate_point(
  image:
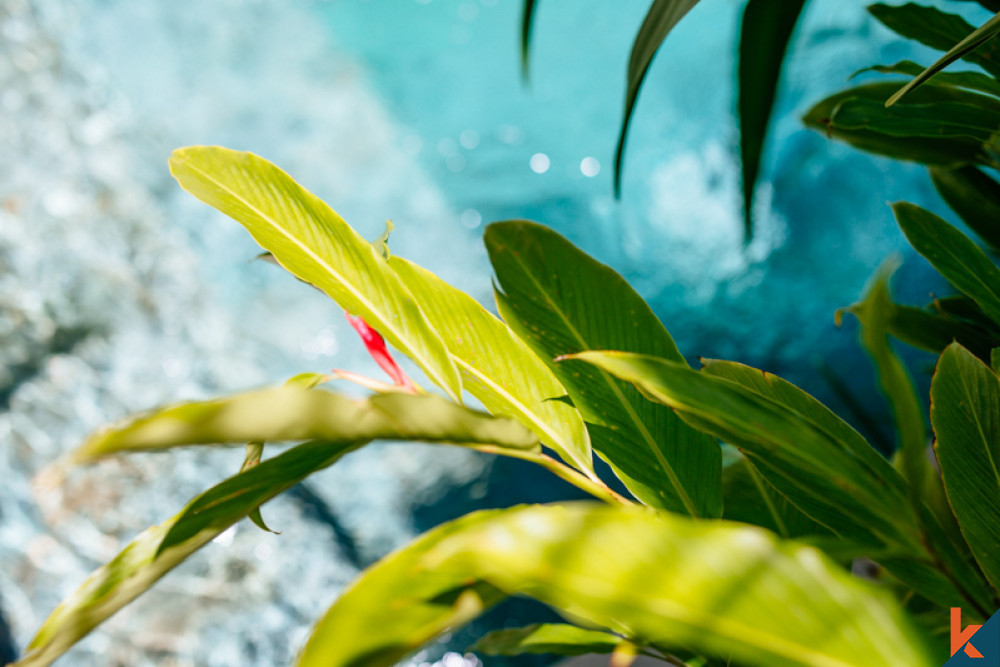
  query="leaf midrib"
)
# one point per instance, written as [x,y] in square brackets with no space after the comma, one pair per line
[633,416]
[386,323]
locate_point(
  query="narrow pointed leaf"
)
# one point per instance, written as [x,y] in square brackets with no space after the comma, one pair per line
[663,15]
[498,368]
[954,255]
[945,32]
[313,243]
[527,23]
[342,427]
[975,197]
[897,386]
[965,412]
[556,638]
[293,413]
[561,301]
[766,30]
[933,331]
[984,83]
[719,589]
[161,548]
[796,454]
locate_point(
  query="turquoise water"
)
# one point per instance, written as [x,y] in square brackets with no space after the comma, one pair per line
[121,292]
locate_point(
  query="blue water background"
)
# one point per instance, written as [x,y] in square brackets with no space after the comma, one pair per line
[414,110]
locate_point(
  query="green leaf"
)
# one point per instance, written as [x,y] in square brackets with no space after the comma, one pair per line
[561,301]
[764,35]
[161,548]
[945,32]
[849,492]
[498,368]
[882,136]
[896,384]
[944,119]
[960,261]
[975,197]
[939,30]
[293,413]
[314,244]
[978,81]
[750,499]
[965,413]
[342,425]
[527,22]
[663,15]
[811,456]
[719,589]
[557,638]
[933,330]
[424,604]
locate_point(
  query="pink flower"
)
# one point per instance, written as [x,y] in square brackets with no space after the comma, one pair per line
[375,345]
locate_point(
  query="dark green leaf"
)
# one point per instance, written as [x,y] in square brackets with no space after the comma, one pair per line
[527,22]
[942,31]
[867,126]
[498,368]
[983,83]
[314,244]
[965,412]
[557,638]
[854,494]
[663,15]
[561,301]
[974,196]
[766,29]
[951,252]
[933,331]
[940,120]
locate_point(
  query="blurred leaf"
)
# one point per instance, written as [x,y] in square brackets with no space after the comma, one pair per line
[766,29]
[992,5]
[949,151]
[161,548]
[942,31]
[663,15]
[896,384]
[951,252]
[381,244]
[717,588]
[974,196]
[995,360]
[557,638]
[293,413]
[965,412]
[527,22]
[983,83]
[961,308]
[497,367]
[424,603]
[560,301]
[934,331]
[313,243]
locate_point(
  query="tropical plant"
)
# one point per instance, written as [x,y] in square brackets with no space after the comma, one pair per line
[579,364]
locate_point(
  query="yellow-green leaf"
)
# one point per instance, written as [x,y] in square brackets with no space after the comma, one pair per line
[312,242]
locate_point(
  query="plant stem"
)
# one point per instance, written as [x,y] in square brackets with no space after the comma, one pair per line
[592,485]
